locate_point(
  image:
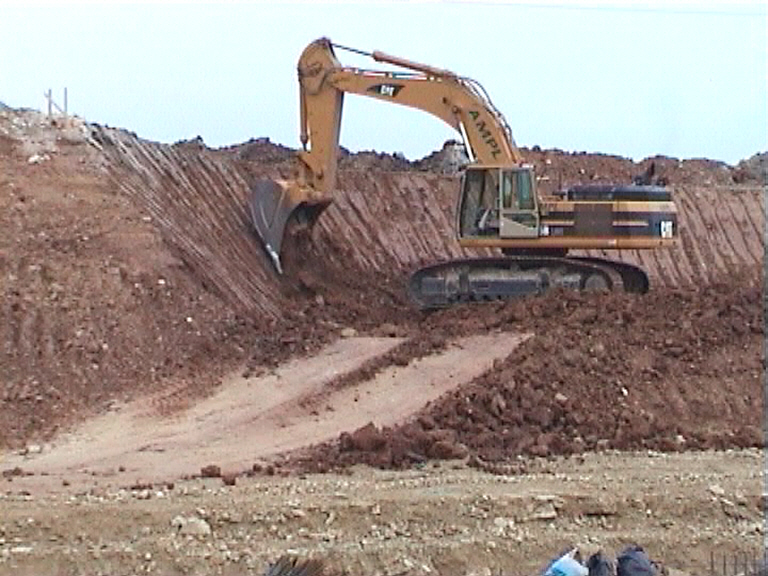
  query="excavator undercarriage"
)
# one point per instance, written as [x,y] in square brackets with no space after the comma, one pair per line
[503,278]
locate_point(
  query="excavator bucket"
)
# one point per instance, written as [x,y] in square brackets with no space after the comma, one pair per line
[275,203]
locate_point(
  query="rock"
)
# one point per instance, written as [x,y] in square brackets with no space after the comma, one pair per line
[427,422]
[366,439]
[449,160]
[13,472]
[598,349]
[388,329]
[498,405]
[210,471]
[717,490]
[191,526]
[544,511]
[348,332]
[229,479]
[599,507]
[447,450]
[37,158]
[561,398]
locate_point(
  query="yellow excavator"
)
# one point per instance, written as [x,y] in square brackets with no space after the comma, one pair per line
[498,206]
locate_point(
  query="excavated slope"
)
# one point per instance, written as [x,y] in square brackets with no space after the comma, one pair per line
[385,223]
[198,203]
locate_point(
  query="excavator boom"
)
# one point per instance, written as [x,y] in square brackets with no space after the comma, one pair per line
[323,81]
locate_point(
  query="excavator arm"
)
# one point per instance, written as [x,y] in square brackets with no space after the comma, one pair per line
[459,101]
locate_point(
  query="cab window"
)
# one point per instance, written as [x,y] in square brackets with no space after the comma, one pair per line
[516,190]
[524,191]
[507,190]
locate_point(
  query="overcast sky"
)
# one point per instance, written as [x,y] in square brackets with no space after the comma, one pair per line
[684,80]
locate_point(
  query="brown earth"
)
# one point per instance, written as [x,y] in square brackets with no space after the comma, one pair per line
[130,278]
[669,371]
[256,418]
[129,267]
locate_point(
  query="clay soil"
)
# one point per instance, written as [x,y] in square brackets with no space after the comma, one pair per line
[136,298]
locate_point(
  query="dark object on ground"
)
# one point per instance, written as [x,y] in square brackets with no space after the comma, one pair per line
[599,565]
[634,562]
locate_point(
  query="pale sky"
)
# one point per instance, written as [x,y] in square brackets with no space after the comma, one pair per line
[683,79]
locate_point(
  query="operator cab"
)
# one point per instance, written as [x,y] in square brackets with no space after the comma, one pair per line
[498,202]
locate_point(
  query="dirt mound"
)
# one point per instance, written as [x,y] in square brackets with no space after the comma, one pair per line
[95,306]
[450,159]
[129,267]
[261,151]
[669,371]
[556,169]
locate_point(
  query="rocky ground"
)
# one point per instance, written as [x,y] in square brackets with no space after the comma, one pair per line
[439,518]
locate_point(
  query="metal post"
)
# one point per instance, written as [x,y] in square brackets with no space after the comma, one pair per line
[65,102]
[50,99]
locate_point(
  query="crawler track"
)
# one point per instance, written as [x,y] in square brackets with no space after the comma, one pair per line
[484,279]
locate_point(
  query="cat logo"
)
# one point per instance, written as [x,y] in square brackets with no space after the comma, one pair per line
[389,90]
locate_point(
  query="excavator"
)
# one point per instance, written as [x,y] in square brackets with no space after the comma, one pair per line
[498,205]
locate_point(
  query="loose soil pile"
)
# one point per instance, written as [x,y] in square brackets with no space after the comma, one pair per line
[668,371]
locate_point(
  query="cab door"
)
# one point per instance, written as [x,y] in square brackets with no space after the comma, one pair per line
[519,210]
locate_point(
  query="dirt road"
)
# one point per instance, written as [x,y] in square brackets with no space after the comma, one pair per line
[250,419]
[445,519]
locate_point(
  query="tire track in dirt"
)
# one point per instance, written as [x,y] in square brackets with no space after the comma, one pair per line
[250,419]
